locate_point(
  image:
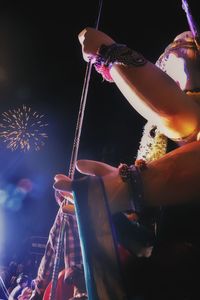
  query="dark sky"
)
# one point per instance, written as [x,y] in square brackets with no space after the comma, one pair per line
[41,66]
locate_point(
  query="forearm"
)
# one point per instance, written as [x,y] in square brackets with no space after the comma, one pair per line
[173,179]
[170,180]
[157,98]
[149,90]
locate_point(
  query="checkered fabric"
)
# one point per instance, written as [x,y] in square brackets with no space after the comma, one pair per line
[72,250]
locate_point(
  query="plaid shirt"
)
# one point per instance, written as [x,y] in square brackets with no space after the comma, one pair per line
[72,250]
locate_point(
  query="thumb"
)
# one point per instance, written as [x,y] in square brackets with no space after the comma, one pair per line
[91,167]
[63,185]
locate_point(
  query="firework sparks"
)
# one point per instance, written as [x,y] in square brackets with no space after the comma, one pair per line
[23,129]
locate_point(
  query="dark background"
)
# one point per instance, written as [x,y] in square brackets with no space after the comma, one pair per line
[41,66]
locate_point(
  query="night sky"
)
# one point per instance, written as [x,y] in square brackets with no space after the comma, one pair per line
[41,66]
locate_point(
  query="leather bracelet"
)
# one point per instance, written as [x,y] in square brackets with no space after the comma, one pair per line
[116,54]
[131,175]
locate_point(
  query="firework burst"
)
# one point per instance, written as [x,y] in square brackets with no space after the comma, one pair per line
[23,129]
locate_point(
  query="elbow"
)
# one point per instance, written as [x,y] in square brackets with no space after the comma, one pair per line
[178,127]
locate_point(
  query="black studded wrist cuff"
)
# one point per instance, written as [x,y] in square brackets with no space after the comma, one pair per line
[132,175]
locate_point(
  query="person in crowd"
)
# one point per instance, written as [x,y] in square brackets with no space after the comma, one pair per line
[22,283]
[72,264]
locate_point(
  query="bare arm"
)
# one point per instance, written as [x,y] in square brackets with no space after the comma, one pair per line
[151,92]
[158,99]
[173,179]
